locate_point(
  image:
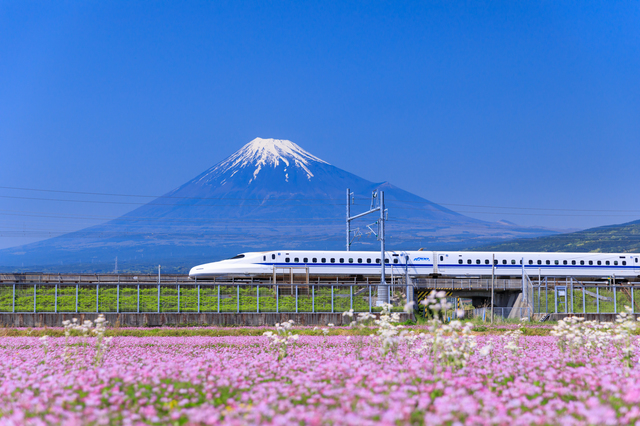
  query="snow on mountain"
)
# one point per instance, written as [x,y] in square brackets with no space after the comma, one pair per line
[261,153]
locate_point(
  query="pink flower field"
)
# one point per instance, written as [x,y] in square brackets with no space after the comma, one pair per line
[321,380]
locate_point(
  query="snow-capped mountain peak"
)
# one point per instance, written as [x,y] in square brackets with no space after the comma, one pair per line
[261,153]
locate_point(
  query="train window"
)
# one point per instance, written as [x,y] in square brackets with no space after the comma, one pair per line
[608,263]
[460,261]
[359,260]
[323,260]
[504,261]
[314,260]
[273,256]
[386,261]
[624,262]
[548,262]
[521,261]
[573,262]
[441,258]
[239,256]
[615,262]
[591,262]
[264,258]
[333,260]
[477,261]
[486,261]
[469,261]
[296,260]
[286,259]
[368,260]
[636,260]
[539,262]
[564,262]
[305,260]
[395,260]
[557,262]
[341,260]
[599,262]
[378,260]
[351,260]
[582,262]
[530,262]
[513,262]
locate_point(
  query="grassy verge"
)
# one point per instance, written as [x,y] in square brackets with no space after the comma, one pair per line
[249,331]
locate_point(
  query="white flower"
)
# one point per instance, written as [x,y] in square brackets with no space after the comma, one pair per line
[485,350]
[408,307]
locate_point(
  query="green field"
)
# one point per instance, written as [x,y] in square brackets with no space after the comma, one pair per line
[590,305]
[185,299]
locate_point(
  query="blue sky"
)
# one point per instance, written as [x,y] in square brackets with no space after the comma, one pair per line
[533,105]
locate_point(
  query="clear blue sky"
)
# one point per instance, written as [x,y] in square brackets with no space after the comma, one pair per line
[516,104]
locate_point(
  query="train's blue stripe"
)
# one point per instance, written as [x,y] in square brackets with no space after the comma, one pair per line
[454,265]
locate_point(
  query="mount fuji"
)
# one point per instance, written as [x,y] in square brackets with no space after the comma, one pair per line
[269,194]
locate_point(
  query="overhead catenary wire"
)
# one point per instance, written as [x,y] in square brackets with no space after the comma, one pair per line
[339,201]
[322,204]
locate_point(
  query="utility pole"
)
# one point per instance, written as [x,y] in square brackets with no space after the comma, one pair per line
[383,290]
[116,269]
[348,221]
[493,274]
[525,290]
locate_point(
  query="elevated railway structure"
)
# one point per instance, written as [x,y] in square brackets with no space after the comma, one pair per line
[168,294]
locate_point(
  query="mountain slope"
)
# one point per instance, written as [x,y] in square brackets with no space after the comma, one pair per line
[624,238]
[270,193]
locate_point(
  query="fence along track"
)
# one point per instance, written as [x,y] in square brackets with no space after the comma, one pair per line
[179,297]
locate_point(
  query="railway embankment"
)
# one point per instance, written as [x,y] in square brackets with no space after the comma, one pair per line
[180,319]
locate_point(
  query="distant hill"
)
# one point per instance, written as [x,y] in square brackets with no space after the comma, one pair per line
[624,238]
[270,194]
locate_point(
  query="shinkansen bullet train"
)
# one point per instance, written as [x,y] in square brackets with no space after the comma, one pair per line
[423,264]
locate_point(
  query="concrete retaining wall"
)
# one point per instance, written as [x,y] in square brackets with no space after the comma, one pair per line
[179,319]
[588,317]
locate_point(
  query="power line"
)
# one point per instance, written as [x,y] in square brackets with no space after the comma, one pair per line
[325,204]
[150,196]
[262,200]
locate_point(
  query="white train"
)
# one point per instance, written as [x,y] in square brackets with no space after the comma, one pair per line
[423,264]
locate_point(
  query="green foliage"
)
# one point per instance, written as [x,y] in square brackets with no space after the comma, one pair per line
[107,298]
[575,304]
[622,238]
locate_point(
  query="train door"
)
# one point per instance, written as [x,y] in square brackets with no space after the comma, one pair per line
[635,261]
[442,259]
[435,262]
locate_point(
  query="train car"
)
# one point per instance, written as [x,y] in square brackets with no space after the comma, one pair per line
[424,264]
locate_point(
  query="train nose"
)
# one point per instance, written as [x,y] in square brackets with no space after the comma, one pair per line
[197,271]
